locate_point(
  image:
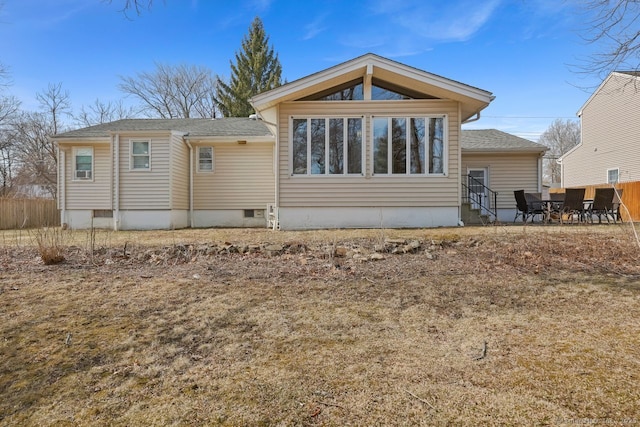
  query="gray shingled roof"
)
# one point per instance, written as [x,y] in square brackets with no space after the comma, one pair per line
[230,126]
[631,73]
[495,140]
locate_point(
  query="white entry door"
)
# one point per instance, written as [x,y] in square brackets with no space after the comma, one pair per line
[478,187]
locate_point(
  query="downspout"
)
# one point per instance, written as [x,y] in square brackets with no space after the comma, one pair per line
[540,171]
[62,185]
[277,176]
[460,222]
[472,119]
[276,165]
[116,183]
[185,138]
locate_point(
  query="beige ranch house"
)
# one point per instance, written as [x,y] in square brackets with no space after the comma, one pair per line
[366,143]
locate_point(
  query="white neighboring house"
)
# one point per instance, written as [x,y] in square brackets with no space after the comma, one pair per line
[609,151]
[366,143]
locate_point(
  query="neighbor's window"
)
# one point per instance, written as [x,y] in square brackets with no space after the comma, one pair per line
[140,155]
[613,176]
[83,163]
[205,159]
[326,146]
[408,145]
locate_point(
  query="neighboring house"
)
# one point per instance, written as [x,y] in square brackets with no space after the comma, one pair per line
[609,150]
[367,143]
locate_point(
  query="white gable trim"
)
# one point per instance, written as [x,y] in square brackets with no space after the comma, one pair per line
[362,67]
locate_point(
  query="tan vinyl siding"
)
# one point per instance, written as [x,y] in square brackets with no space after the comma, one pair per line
[142,189]
[368,190]
[610,136]
[242,178]
[507,173]
[89,194]
[179,173]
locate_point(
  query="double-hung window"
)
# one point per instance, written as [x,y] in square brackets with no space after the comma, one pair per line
[613,176]
[205,159]
[83,163]
[408,145]
[140,155]
[326,145]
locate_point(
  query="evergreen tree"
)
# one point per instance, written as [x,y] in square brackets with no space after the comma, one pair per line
[257,69]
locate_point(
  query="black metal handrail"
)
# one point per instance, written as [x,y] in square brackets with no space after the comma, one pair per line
[474,191]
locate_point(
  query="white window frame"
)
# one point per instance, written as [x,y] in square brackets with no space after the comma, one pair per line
[213,154]
[389,173]
[345,146]
[75,165]
[617,175]
[132,156]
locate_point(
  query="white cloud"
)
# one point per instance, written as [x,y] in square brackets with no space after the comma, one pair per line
[454,22]
[314,28]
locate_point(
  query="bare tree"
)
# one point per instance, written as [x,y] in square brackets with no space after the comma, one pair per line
[183,91]
[561,136]
[136,5]
[100,112]
[9,107]
[615,27]
[55,103]
[33,150]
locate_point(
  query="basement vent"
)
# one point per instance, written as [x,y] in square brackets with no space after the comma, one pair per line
[103,213]
[254,213]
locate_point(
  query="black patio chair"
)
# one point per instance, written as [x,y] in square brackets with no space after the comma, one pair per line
[573,205]
[602,205]
[617,202]
[527,206]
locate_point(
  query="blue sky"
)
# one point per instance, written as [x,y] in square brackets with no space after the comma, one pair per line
[521,50]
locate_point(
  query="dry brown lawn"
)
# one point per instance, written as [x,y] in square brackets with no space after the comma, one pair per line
[479,326]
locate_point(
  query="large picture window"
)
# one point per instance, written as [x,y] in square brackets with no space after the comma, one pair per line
[408,145]
[140,155]
[83,163]
[326,146]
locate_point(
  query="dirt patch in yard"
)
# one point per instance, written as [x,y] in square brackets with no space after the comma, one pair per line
[517,325]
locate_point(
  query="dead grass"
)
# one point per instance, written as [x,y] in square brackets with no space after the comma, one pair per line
[163,332]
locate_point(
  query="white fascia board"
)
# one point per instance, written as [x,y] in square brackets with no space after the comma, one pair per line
[85,139]
[230,139]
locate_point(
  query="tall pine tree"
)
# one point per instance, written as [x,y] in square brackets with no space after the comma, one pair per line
[257,69]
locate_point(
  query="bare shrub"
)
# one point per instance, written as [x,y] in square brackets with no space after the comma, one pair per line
[50,245]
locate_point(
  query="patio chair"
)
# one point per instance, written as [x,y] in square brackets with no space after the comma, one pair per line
[617,202]
[527,206]
[573,205]
[602,204]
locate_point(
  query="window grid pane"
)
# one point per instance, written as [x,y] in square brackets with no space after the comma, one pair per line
[336,146]
[318,143]
[380,144]
[399,144]
[299,144]
[417,143]
[354,152]
[436,146]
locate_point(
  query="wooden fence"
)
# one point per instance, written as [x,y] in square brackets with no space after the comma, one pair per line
[28,213]
[630,197]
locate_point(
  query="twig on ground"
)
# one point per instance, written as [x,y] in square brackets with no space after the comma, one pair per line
[330,404]
[426,402]
[484,352]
